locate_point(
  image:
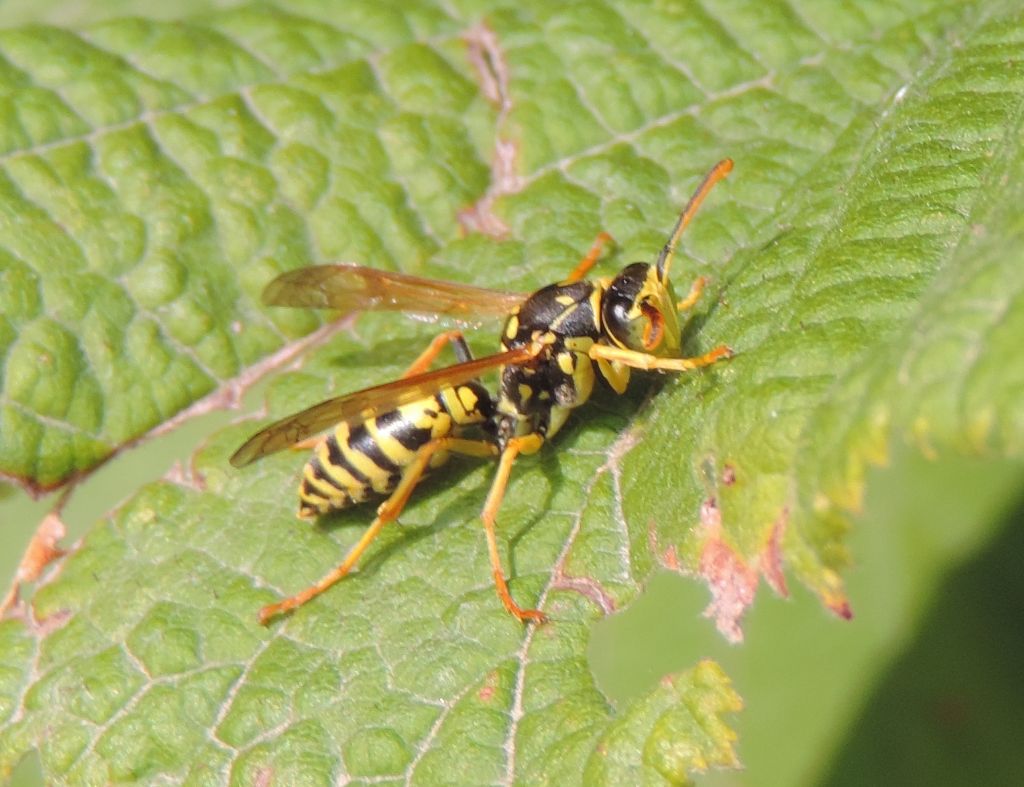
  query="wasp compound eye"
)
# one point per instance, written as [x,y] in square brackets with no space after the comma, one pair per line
[630,320]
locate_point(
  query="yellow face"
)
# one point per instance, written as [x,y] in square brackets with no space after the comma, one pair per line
[639,312]
[658,298]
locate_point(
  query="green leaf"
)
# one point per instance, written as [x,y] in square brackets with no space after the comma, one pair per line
[686,736]
[880,301]
[937,549]
[68,13]
[156,175]
[865,265]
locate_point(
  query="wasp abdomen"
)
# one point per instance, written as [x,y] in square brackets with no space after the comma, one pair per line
[358,462]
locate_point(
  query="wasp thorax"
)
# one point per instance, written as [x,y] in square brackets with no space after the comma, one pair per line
[637,310]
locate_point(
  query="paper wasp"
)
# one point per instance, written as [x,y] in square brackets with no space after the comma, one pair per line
[555,343]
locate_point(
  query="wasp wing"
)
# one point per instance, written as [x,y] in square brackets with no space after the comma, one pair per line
[360,405]
[351,288]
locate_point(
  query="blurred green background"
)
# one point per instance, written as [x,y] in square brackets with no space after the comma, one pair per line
[922,687]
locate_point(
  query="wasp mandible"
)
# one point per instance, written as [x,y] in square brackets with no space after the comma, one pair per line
[555,344]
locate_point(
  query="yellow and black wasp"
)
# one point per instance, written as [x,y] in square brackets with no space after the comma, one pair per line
[556,343]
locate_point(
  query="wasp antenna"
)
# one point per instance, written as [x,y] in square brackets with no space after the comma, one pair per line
[717,173]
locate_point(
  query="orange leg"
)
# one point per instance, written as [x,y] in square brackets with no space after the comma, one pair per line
[590,260]
[646,362]
[695,291]
[425,358]
[513,448]
[387,512]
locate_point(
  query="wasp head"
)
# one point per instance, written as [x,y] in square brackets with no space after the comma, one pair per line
[638,309]
[639,313]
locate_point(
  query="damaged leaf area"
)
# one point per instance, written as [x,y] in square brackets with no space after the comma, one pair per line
[874,305]
[864,258]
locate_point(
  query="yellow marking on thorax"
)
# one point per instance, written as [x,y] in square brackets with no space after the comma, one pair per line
[596,295]
[512,326]
[564,315]
[416,414]
[581,369]
[583,379]
[467,399]
[507,407]
[463,403]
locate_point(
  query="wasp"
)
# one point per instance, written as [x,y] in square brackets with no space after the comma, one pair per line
[556,343]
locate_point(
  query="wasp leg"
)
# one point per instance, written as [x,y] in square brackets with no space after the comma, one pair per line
[615,374]
[422,363]
[695,291]
[513,448]
[647,362]
[387,512]
[590,260]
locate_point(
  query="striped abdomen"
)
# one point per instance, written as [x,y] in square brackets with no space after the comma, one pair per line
[357,462]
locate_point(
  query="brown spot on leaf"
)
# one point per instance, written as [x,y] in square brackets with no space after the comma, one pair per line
[840,605]
[263,777]
[42,550]
[733,577]
[43,627]
[490,686]
[770,560]
[186,477]
[652,537]
[833,595]
[488,62]
[731,581]
[670,557]
[586,586]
